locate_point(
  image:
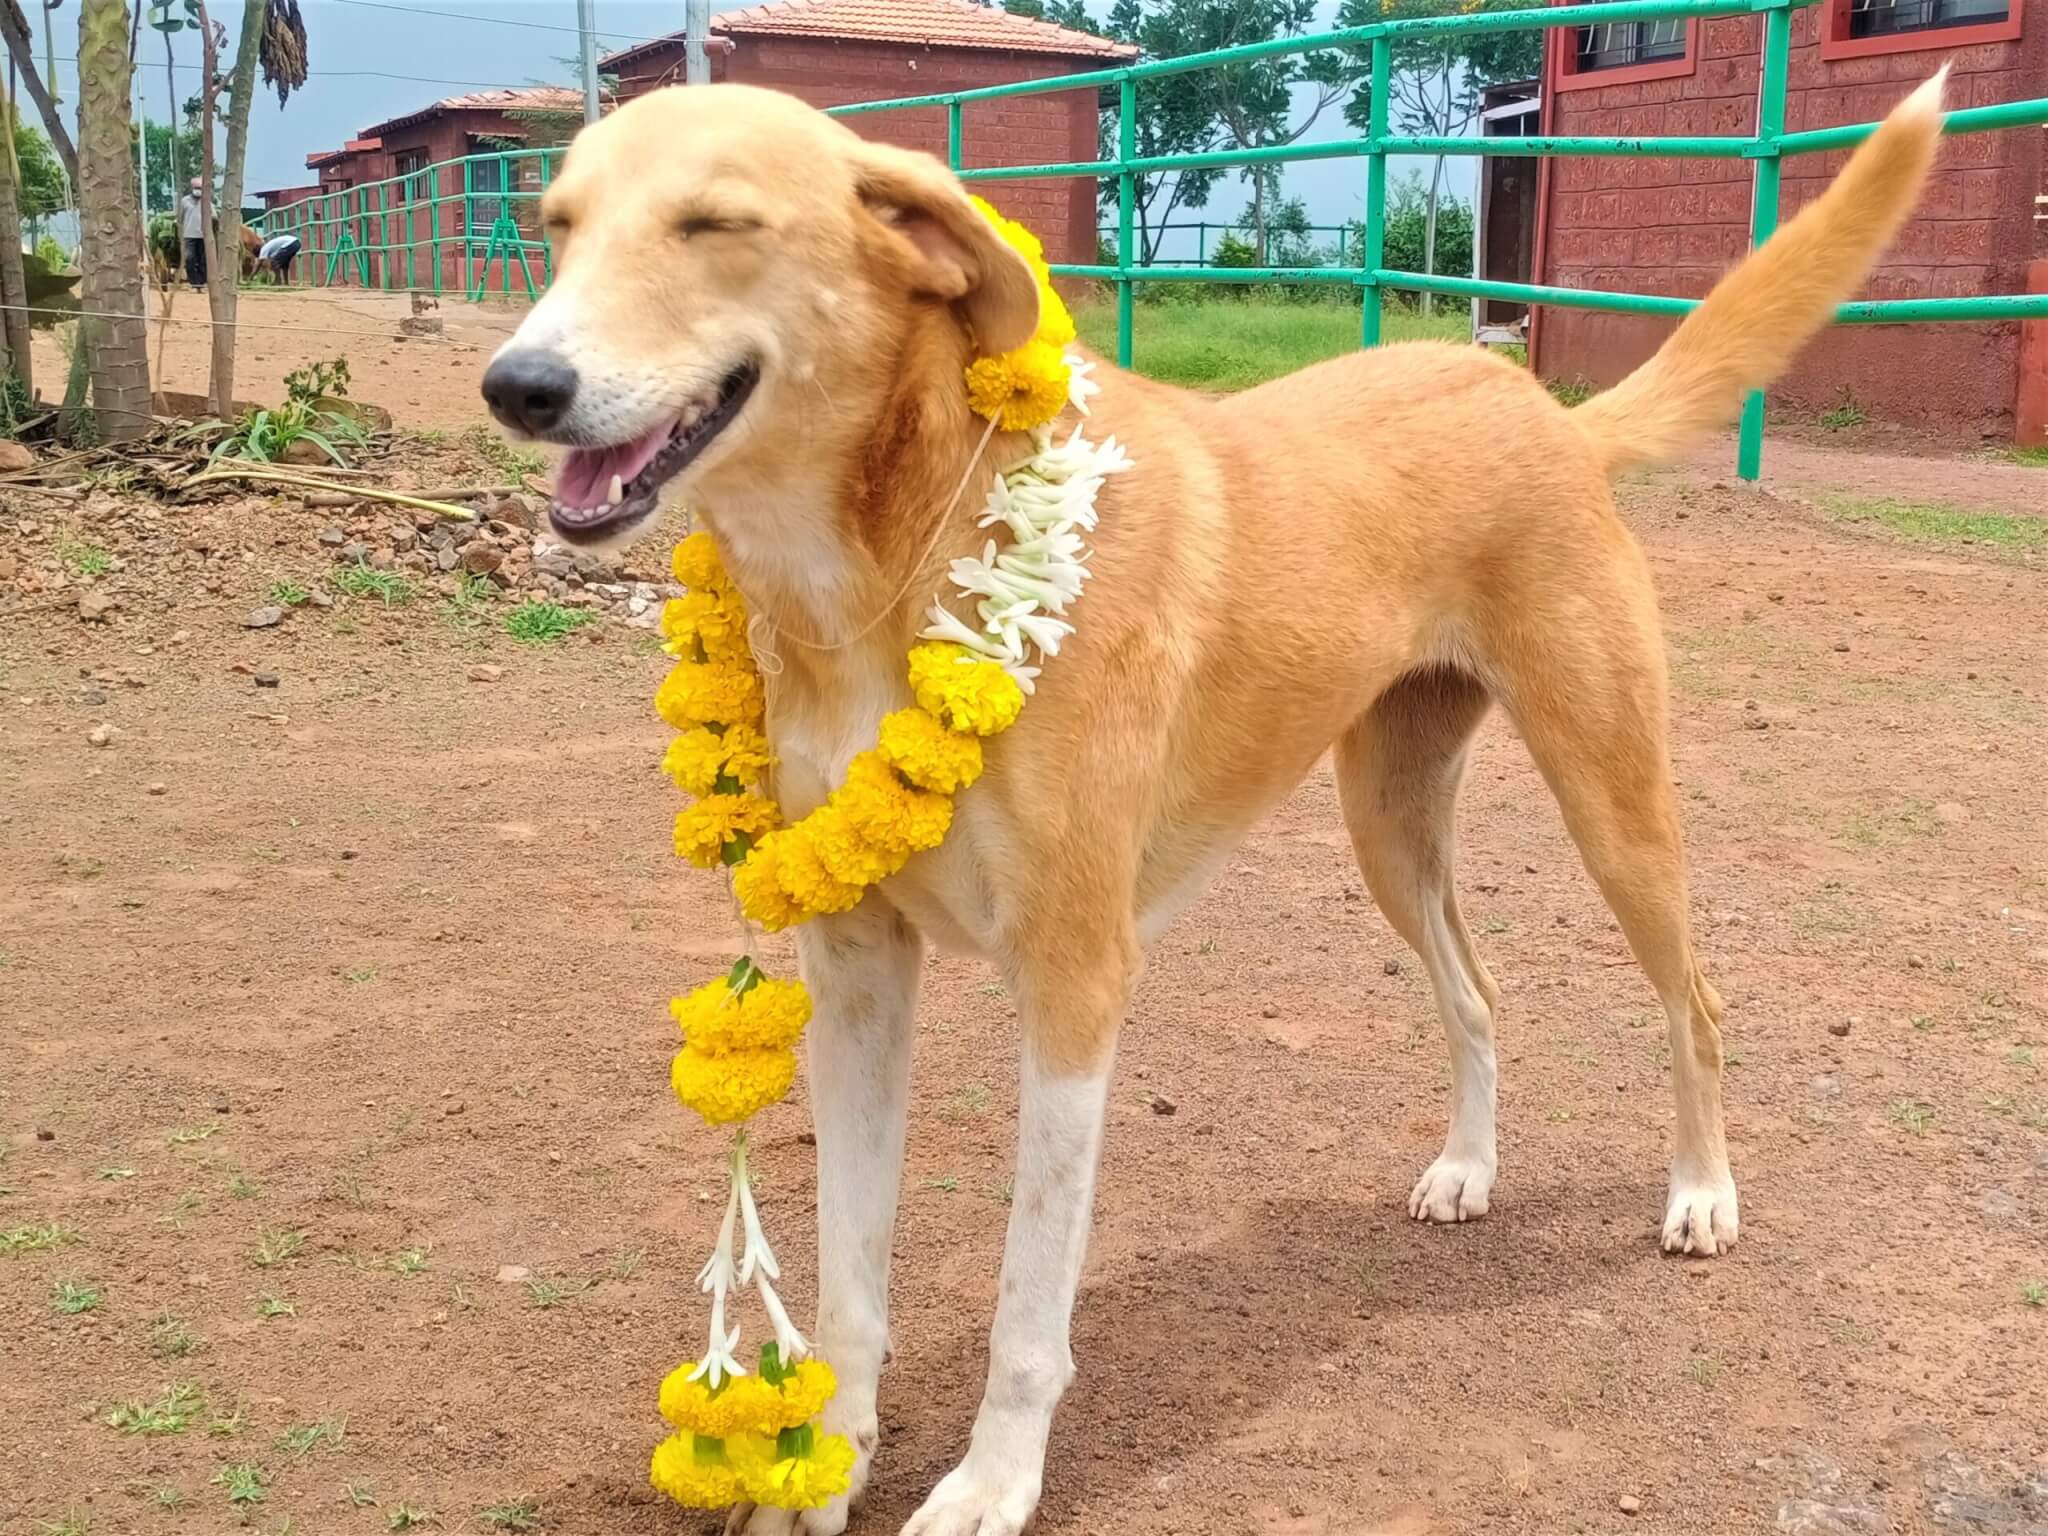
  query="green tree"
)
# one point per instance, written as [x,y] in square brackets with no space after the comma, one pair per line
[42,187]
[1260,103]
[1290,242]
[1407,229]
[160,190]
[1436,86]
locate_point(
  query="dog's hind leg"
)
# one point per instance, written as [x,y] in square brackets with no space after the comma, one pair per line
[1398,771]
[862,970]
[1579,664]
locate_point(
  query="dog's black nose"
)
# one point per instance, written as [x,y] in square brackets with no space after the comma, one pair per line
[530,390]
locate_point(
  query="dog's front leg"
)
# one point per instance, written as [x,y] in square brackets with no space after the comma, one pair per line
[1070,1015]
[862,970]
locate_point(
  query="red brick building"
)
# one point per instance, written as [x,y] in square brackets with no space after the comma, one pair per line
[1673,226]
[833,52]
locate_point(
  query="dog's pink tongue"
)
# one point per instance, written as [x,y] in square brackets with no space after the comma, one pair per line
[585,478]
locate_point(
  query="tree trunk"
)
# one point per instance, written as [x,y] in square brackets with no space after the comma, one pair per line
[13,281]
[21,45]
[171,88]
[224,259]
[1436,177]
[113,331]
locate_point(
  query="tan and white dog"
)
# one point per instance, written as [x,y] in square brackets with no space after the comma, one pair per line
[763,312]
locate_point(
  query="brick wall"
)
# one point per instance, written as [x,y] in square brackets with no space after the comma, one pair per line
[1023,130]
[1673,226]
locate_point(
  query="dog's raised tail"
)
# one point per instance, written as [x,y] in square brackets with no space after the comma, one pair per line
[1758,317]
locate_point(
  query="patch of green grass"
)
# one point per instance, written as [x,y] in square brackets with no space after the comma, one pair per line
[169,1413]
[1003,1190]
[946,1185]
[412,1261]
[1844,416]
[392,588]
[289,594]
[188,1202]
[471,593]
[303,1439]
[244,1482]
[73,1522]
[276,1246]
[170,1496]
[1231,343]
[72,1297]
[1924,1023]
[2034,1293]
[85,559]
[359,1495]
[186,1135]
[172,1338]
[1911,1116]
[625,1266]
[409,1517]
[115,1174]
[508,459]
[548,1294]
[512,1515]
[356,975]
[535,622]
[969,1099]
[1934,522]
[227,1425]
[270,1304]
[1576,390]
[37,1239]
[1908,821]
[242,1187]
[1703,1370]
[2030,458]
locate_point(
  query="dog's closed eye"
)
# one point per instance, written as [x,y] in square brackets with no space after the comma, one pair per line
[710,224]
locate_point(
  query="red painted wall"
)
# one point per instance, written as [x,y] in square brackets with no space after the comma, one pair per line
[1023,130]
[1673,226]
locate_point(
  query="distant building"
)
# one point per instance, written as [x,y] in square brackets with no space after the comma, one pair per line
[1673,226]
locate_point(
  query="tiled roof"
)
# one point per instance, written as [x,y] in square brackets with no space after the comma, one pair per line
[537,98]
[929,23]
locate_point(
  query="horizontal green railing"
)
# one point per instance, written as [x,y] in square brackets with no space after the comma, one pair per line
[471,224]
[1766,147]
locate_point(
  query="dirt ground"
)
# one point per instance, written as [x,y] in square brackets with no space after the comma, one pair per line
[378,956]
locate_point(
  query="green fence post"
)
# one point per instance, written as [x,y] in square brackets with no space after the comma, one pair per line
[1373,251]
[1126,212]
[1202,244]
[953,133]
[468,219]
[1763,215]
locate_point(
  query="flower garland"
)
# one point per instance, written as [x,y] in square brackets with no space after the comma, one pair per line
[755,1438]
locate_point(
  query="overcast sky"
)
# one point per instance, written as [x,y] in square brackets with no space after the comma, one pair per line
[371,60]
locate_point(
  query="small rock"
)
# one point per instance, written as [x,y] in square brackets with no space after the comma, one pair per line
[102,735]
[1839,1028]
[452,1110]
[1162,1105]
[1629,1504]
[181,636]
[446,558]
[10,567]
[484,672]
[1755,723]
[1270,1011]
[1841,645]
[382,559]
[94,605]
[1391,967]
[156,787]
[481,559]
[554,1157]
[333,537]
[267,617]
[514,1274]
[266,679]
[14,456]
[44,1133]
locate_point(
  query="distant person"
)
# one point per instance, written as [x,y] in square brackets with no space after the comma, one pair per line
[192,226]
[278,254]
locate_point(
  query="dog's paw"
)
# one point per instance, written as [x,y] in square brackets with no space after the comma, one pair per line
[978,1501]
[1452,1189]
[1700,1217]
[760,1520]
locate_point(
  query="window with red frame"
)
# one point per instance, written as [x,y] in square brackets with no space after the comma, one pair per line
[1627,44]
[1855,27]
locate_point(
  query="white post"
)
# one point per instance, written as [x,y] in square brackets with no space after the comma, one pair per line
[586,24]
[696,29]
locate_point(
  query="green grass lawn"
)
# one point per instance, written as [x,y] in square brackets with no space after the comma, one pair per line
[1226,344]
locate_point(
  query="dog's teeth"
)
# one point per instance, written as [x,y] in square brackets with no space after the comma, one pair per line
[618,491]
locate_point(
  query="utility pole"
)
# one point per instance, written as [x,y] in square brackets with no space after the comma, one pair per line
[586,24]
[696,29]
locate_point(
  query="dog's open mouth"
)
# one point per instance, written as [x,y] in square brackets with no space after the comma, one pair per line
[601,490]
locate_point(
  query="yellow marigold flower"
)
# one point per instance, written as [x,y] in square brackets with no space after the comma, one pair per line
[717,621]
[757,884]
[691,1479]
[731,1086]
[810,1481]
[916,745]
[1055,324]
[704,829]
[848,856]
[699,757]
[1019,390]
[767,1016]
[696,564]
[887,813]
[966,692]
[804,878]
[709,693]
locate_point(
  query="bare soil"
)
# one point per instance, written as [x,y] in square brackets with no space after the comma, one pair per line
[378,955]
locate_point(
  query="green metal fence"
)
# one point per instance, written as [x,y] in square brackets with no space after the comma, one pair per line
[1766,147]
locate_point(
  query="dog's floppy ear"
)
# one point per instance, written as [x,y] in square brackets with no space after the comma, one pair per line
[955,254]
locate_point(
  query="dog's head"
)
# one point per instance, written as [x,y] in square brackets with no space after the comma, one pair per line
[734,276]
